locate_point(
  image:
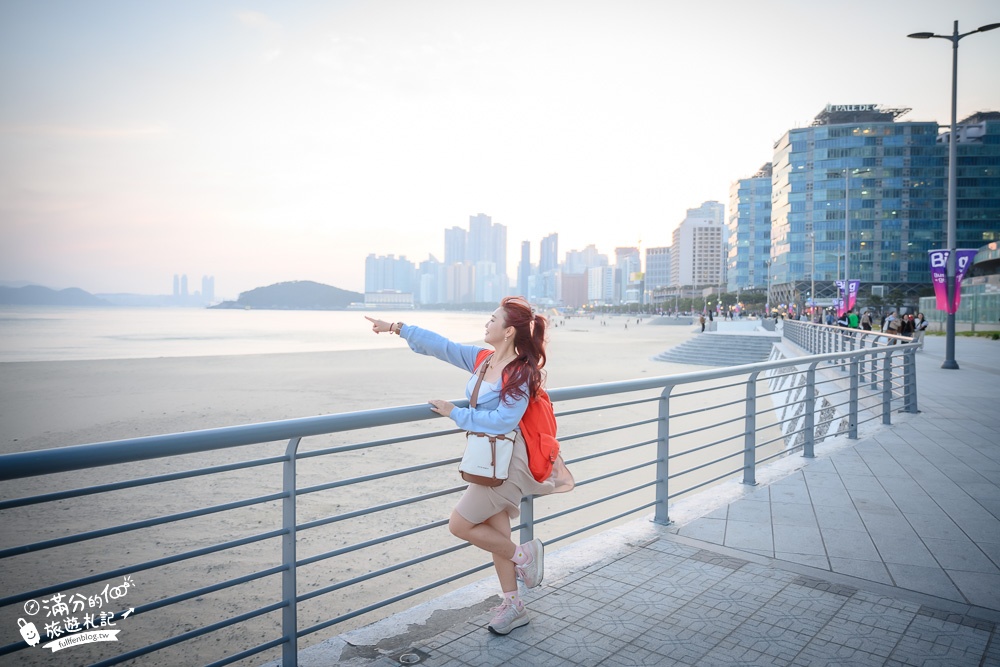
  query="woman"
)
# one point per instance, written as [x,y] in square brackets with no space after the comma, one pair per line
[919,327]
[513,377]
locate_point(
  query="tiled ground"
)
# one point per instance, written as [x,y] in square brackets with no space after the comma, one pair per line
[883,553]
[668,603]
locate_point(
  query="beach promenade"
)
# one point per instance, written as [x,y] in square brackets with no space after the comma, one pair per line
[879,551]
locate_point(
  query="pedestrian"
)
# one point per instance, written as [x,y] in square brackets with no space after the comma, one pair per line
[505,382]
[892,326]
[701,320]
[906,326]
[919,327]
[852,320]
[866,320]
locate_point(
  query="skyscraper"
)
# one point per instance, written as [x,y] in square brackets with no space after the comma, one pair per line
[857,166]
[579,261]
[749,231]
[454,245]
[208,289]
[548,255]
[657,271]
[524,269]
[628,269]
[698,257]
[387,273]
[486,250]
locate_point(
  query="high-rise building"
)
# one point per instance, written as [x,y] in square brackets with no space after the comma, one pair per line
[628,278]
[749,231]
[486,249]
[657,276]
[461,283]
[524,269]
[699,243]
[208,289]
[548,256]
[454,245]
[388,274]
[856,172]
[978,200]
[601,285]
[431,282]
[579,261]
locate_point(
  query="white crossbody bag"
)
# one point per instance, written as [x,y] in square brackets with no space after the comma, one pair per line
[487,457]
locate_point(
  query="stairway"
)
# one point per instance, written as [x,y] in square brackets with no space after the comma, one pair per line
[715,349]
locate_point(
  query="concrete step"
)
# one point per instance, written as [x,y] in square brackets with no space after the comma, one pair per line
[713,349]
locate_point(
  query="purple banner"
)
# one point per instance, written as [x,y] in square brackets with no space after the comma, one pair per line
[939,267]
[963,260]
[852,293]
[840,301]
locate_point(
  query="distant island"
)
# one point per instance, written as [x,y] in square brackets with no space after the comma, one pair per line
[295,295]
[36,295]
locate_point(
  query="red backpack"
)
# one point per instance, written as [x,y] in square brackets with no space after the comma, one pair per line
[538,428]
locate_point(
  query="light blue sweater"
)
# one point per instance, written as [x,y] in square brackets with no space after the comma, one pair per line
[490,415]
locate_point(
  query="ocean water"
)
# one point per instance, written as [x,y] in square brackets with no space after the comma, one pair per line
[53,333]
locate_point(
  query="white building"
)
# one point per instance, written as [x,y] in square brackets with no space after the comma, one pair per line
[699,247]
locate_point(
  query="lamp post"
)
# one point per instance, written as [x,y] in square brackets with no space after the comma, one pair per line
[767,299]
[954,37]
[812,276]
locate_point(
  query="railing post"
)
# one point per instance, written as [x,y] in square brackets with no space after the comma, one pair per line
[750,433]
[873,365]
[809,430]
[852,407]
[887,387]
[910,381]
[527,519]
[661,515]
[289,587]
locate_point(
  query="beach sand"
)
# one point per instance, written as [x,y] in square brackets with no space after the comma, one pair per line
[55,404]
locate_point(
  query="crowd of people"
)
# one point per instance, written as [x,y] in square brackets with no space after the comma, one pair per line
[891,322]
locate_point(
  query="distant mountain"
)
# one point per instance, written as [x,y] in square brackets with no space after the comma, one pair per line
[35,295]
[295,295]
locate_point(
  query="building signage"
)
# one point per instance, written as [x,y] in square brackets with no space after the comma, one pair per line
[851,107]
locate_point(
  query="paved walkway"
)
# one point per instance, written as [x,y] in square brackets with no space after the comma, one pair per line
[884,552]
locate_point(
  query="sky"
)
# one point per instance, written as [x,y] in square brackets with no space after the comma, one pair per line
[262,142]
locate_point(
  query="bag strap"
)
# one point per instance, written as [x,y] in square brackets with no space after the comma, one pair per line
[479,381]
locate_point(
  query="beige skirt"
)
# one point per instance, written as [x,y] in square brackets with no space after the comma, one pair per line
[479,503]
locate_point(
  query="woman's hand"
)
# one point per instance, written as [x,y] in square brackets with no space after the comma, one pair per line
[443,408]
[379,326]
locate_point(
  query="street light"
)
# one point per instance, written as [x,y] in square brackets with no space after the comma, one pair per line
[812,277]
[954,37]
[767,300]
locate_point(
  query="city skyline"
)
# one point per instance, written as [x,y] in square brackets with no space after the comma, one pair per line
[288,144]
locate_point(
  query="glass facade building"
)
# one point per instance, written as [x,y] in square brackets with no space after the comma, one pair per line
[978,215]
[858,173]
[749,231]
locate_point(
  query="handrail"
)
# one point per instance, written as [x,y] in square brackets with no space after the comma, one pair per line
[647,453]
[130,450]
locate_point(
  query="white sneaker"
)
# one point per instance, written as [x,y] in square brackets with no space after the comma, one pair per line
[532,572]
[507,618]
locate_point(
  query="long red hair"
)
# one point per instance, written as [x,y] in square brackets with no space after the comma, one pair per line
[529,345]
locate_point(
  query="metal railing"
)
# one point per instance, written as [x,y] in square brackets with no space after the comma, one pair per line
[634,446]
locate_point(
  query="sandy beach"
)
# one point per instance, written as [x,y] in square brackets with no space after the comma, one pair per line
[54,404]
